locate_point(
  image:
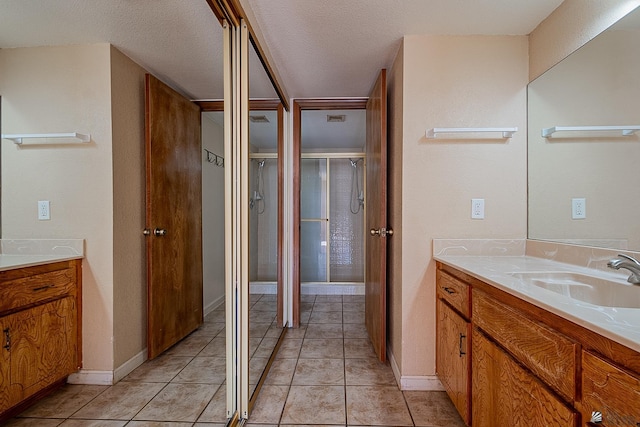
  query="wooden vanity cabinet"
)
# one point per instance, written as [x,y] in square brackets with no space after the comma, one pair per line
[40,330]
[453,332]
[610,390]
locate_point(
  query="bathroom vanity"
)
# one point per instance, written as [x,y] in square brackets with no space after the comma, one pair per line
[40,322]
[510,352]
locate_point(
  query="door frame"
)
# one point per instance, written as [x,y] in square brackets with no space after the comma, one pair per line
[298,106]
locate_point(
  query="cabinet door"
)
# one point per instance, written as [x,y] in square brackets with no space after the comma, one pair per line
[505,394]
[452,357]
[611,391]
[7,399]
[43,346]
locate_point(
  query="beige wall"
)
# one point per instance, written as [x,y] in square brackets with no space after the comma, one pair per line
[129,282]
[212,216]
[395,110]
[570,26]
[449,81]
[64,89]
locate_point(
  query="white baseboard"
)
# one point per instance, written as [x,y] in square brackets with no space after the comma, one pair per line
[213,305]
[332,288]
[413,382]
[266,288]
[91,377]
[128,366]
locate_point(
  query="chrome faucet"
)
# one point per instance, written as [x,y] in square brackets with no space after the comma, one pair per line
[628,263]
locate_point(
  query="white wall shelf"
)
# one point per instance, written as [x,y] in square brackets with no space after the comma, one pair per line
[626,130]
[18,137]
[506,132]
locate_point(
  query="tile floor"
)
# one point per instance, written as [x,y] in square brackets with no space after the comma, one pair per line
[325,373]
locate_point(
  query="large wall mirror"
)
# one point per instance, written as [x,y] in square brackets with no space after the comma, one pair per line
[583,181]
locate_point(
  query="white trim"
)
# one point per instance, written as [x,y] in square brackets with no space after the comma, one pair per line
[89,377]
[127,367]
[213,305]
[411,382]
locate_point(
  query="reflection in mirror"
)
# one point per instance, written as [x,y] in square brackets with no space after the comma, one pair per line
[595,86]
[264,330]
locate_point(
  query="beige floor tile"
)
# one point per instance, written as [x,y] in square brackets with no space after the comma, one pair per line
[358,349]
[261,316]
[432,409]
[190,346]
[217,316]
[256,367]
[327,348]
[377,405]
[353,306]
[274,331]
[159,370]
[315,405]
[254,343]
[289,349]
[295,333]
[307,298]
[216,410]
[33,422]
[265,305]
[268,406]
[353,317]
[203,370]
[304,317]
[306,306]
[319,372]
[120,402]
[329,298]
[368,372]
[265,349]
[64,402]
[93,423]
[281,372]
[353,298]
[210,329]
[355,330]
[310,425]
[327,306]
[326,317]
[209,425]
[216,348]
[324,330]
[178,402]
[258,329]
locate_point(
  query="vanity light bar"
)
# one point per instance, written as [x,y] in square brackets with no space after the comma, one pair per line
[506,132]
[17,138]
[626,130]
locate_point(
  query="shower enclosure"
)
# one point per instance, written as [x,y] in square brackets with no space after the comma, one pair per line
[332,251]
[263,223]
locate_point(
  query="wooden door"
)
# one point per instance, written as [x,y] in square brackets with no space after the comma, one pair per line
[173,216]
[376,209]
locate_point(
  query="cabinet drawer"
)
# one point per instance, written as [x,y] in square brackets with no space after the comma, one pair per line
[30,290]
[611,391]
[454,291]
[548,354]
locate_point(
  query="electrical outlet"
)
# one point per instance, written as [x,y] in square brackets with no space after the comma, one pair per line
[578,208]
[43,210]
[477,208]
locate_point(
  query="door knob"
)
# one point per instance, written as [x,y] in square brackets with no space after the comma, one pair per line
[159,232]
[146,232]
[382,232]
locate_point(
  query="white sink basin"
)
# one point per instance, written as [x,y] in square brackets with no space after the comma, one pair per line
[582,287]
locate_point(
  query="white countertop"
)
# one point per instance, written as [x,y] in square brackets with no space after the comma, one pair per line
[19,253]
[10,262]
[618,324]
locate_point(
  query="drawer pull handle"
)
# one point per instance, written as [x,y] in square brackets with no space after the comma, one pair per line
[7,338]
[462,352]
[449,290]
[596,417]
[42,288]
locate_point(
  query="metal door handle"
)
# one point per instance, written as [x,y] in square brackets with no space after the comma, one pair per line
[159,232]
[462,352]
[146,232]
[382,232]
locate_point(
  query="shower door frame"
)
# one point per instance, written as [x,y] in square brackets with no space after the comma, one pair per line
[298,106]
[327,156]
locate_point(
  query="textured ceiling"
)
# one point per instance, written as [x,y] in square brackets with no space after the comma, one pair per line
[320,48]
[336,47]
